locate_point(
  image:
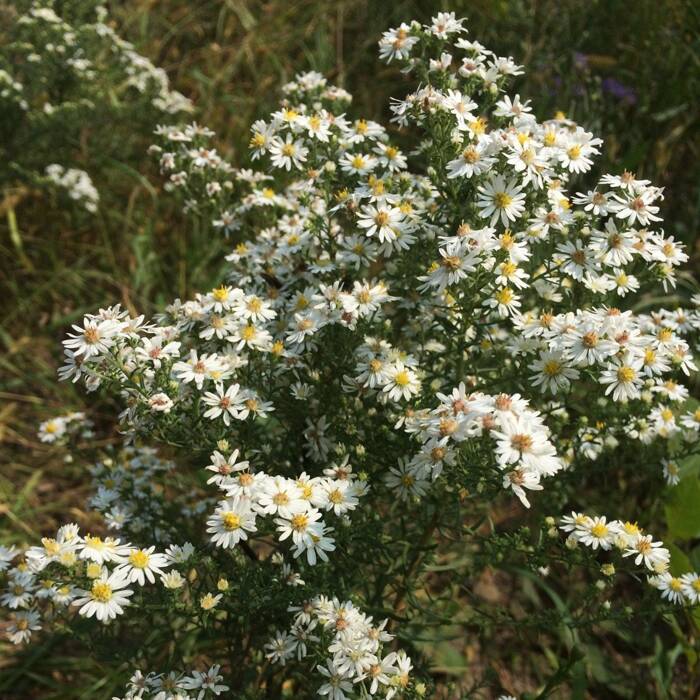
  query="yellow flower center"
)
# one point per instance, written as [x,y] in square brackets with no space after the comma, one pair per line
[508,268]
[280,499]
[402,378]
[590,339]
[382,218]
[220,293]
[552,368]
[504,296]
[101,591]
[139,559]
[231,521]
[502,200]
[599,530]
[51,546]
[254,305]
[258,140]
[626,374]
[93,570]
[300,522]
[248,333]
[335,496]
[470,154]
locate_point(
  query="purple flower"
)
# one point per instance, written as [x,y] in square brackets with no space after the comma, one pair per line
[580,60]
[620,91]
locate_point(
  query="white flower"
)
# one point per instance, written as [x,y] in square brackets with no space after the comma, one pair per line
[160,403]
[336,686]
[143,564]
[691,587]
[226,404]
[502,200]
[552,372]
[595,532]
[172,580]
[94,338]
[205,682]
[281,648]
[338,496]
[381,221]
[402,382]
[107,598]
[653,554]
[301,526]
[623,380]
[20,629]
[280,496]
[671,587]
[288,154]
[232,521]
[472,161]
[198,369]
[103,550]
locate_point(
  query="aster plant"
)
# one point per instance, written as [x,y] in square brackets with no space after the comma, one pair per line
[430,348]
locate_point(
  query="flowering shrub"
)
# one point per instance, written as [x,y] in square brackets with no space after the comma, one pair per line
[421,328]
[62,66]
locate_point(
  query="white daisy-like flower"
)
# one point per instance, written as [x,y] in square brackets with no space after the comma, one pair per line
[233,519]
[107,598]
[143,564]
[502,200]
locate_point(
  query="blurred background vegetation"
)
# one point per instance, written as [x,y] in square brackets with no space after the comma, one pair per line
[629,71]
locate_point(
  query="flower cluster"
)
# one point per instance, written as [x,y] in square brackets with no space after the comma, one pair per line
[77,184]
[629,539]
[625,354]
[72,45]
[521,446]
[128,496]
[92,573]
[353,648]
[195,685]
[295,505]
